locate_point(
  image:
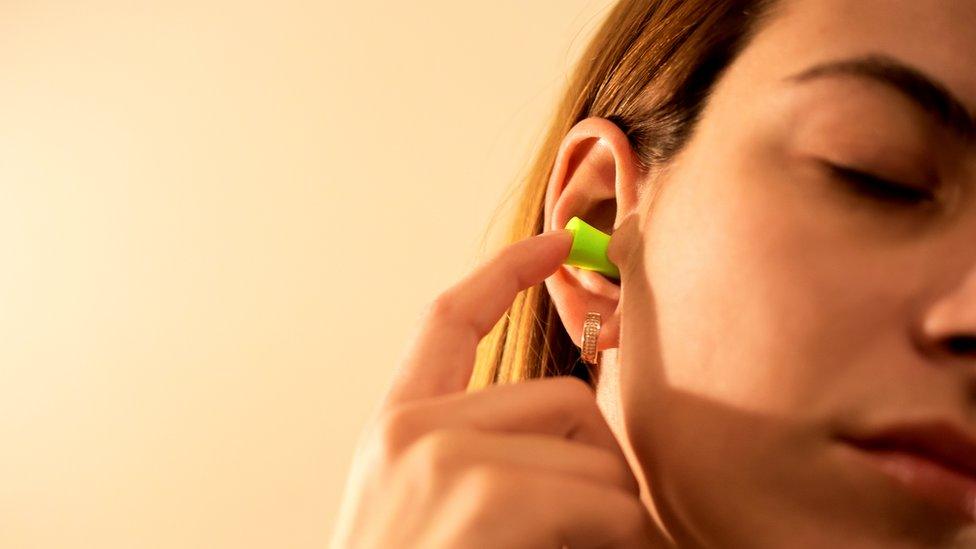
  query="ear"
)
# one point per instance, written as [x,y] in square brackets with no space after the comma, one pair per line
[596,178]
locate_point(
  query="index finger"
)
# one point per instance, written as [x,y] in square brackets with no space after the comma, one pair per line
[441,356]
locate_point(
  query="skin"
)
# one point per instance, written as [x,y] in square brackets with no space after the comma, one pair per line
[764,307]
[528,465]
[767,306]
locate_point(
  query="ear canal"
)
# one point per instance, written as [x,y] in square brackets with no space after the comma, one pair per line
[589,249]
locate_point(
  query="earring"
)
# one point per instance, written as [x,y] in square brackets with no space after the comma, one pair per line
[591,331]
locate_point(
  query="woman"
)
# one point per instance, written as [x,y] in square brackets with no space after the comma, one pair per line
[788,358]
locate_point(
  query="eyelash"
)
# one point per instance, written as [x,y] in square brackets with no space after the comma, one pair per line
[881,189]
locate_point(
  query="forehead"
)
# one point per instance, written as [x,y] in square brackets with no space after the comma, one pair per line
[938,37]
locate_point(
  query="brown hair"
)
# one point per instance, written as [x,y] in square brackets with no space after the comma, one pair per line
[649,70]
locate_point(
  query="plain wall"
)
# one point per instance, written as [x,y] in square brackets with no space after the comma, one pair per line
[218,223]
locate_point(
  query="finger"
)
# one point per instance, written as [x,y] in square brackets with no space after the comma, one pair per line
[586,515]
[563,407]
[566,511]
[455,449]
[441,356]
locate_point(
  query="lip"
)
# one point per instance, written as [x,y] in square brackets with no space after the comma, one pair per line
[934,460]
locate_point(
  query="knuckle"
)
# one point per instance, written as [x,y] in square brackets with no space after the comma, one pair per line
[614,468]
[393,431]
[631,519]
[437,460]
[442,307]
[439,452]
[577,390]
[480,482]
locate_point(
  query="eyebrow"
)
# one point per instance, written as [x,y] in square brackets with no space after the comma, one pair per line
[928,93]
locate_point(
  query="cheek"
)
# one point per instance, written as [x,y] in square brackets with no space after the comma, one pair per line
[767,294]
[740,330]
[747,316]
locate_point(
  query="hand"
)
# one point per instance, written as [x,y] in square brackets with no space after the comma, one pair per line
[531,464]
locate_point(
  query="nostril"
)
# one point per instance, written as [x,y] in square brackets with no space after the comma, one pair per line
[961,344]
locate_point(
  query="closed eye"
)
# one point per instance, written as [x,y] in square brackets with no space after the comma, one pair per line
[866,184]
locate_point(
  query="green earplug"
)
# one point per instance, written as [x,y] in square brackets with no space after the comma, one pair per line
[590,249]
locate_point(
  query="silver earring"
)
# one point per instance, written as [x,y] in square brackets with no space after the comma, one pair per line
[591,331]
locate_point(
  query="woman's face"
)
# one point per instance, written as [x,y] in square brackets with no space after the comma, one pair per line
[775,307]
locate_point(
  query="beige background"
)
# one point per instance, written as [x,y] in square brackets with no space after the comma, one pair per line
[218,221]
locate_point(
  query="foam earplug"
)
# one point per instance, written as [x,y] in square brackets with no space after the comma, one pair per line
[590,249]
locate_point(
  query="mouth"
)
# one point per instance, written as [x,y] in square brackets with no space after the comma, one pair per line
[933,460]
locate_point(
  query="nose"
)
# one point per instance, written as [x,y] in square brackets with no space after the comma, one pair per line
[949,325]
